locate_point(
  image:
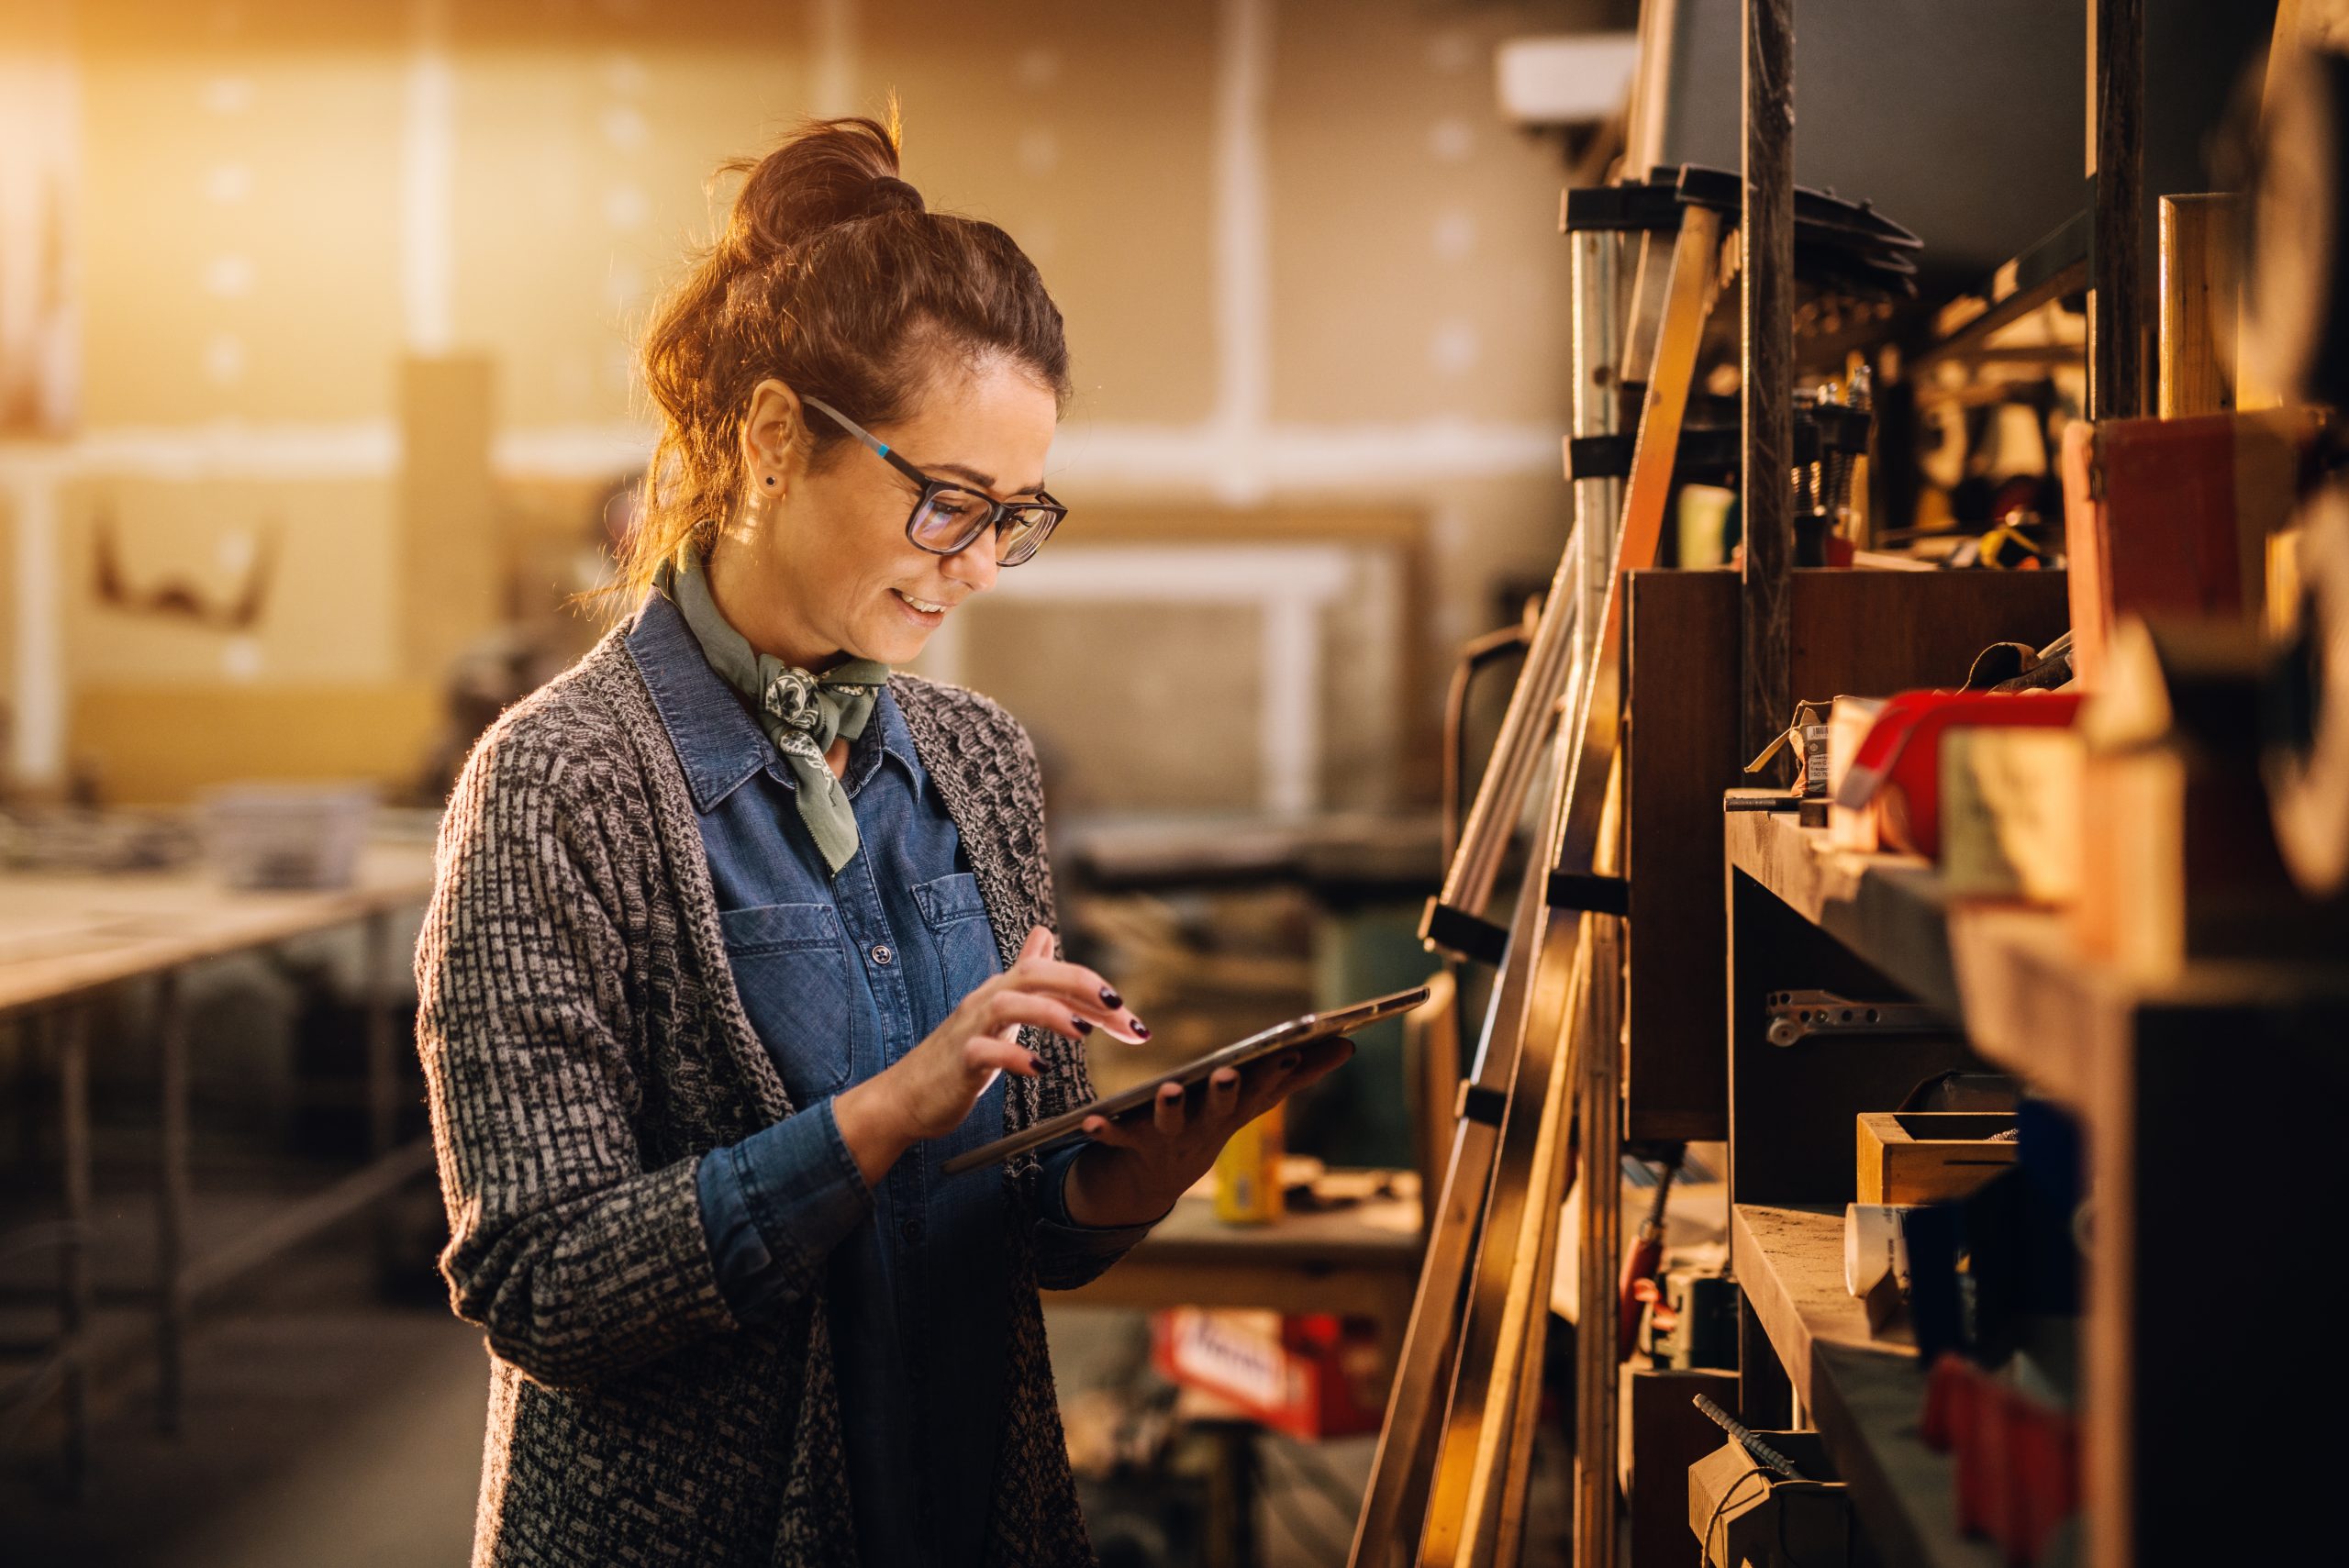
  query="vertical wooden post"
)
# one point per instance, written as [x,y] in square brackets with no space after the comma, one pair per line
[2117,160]
[2199,296]
[1768,236]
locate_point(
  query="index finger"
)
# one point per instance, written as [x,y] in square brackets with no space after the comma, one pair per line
[1072,982]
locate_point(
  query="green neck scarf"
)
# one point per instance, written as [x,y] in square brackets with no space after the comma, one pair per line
[802,713]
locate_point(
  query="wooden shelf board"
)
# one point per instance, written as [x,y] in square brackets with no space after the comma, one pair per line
[2010,976]
[1864,1394]
[1888,909]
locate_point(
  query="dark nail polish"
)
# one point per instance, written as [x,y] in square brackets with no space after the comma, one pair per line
[1083,1026]
[1141,1029]
[1288,1063]
[1110,998]
[1035,1062]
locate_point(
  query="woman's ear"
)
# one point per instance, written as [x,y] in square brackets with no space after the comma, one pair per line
[774,439]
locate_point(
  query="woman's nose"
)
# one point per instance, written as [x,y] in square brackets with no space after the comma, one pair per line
[975,564]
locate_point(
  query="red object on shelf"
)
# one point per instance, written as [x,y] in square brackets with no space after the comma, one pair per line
[2173,516]
[1898,765]
[2017,1460]
[1312,1375]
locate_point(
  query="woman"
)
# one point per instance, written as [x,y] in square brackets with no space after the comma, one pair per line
[738,935]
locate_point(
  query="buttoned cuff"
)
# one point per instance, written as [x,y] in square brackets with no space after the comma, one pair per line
[775,1205]
[1069,1254]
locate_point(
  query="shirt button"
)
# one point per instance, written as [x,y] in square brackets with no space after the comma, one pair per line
[910,1230]
[882,955]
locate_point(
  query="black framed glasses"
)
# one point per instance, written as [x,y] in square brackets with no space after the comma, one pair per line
[949,517]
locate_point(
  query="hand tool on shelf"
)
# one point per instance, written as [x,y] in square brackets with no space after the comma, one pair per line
[1641,1264]
[1745,1438]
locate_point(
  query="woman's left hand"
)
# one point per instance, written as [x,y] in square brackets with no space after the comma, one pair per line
[1138,1167]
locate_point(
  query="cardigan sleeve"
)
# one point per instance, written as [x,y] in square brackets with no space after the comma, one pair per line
[578,1261]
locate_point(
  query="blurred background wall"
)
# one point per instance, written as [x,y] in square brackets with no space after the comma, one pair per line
[314,327]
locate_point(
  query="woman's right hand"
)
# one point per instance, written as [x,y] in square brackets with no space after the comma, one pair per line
[929,1090]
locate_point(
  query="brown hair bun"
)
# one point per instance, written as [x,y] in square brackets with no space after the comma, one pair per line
[832,276]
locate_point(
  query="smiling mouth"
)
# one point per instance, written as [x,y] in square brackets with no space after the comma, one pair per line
[925,605]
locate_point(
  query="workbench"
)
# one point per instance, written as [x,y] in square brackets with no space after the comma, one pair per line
[2184,1089]
[66,939]
[1362,1260]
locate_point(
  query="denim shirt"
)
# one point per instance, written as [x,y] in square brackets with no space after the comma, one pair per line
[840,977]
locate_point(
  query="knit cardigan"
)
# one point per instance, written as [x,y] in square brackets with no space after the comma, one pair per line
[583,1045]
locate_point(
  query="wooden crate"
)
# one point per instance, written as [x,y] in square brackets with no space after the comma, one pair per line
[1929,1156]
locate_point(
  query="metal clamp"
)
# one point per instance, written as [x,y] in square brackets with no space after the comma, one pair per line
[1796,1015]
[1457,931]
[1476,1103]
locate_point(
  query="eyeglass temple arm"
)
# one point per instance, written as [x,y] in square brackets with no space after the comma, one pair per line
[880,447]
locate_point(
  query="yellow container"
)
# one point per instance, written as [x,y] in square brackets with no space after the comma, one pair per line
[1248,1174]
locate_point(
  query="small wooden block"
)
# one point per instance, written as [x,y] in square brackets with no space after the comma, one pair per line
[1929,1156]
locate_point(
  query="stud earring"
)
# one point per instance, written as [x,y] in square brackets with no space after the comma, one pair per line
[770,480]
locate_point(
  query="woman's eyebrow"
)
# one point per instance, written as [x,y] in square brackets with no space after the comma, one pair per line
[985,481]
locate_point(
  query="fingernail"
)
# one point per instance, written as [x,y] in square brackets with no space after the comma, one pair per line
[1110,998]
[1035,1062]
[1083,1026]
[1141,1029]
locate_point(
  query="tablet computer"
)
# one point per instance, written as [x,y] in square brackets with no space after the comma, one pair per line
[1289,1036]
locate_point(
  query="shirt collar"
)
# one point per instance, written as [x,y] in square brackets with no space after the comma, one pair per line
[718,742]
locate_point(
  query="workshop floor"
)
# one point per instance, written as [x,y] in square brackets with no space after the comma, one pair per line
[325,1426]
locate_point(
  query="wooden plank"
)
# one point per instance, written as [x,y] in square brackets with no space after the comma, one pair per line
[1665,1434]
[1887,910]
[1600,1251]
[2117,161]
[1766,233]
[1492,1326]
[1864,1394]
[1680,751]
[1401,1464]
[2200,299]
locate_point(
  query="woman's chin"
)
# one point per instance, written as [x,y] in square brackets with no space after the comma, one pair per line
[894,646]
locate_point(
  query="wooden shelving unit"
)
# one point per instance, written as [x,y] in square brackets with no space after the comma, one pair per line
[2185,1088]
[1861,1392]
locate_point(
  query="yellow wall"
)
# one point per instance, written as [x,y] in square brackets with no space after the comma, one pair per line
[247,236]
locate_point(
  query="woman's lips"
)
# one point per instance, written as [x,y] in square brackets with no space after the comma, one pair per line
[921,615]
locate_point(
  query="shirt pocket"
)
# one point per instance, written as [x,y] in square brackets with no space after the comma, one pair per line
[791,965]
[961,933]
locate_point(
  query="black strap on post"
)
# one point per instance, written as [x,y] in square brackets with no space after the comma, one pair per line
[1459,932]
[1590,894]
[1478,1104]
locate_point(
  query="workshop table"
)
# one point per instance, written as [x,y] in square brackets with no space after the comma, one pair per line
[63,938]
[1360,1260]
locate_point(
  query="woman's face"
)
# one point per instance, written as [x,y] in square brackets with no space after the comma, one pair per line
[818,567]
